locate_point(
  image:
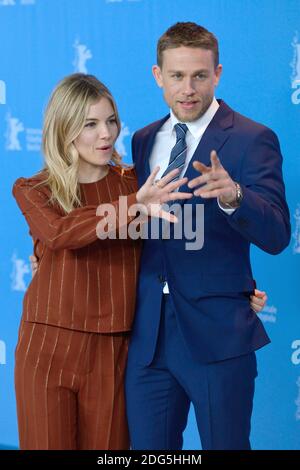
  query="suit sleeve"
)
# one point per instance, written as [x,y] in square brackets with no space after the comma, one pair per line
[71,231]
[263,217]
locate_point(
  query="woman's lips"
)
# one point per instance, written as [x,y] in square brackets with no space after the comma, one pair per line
[105,148]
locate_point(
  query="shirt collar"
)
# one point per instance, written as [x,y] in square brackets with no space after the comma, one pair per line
[197,127]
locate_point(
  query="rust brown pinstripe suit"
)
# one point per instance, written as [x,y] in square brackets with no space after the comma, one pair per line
[77,312]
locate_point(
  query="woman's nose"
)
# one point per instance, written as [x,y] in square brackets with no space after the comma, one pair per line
[104,132]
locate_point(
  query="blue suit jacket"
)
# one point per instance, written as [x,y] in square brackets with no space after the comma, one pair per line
[210,287]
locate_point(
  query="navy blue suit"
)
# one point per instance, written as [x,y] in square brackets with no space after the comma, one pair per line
[207,313]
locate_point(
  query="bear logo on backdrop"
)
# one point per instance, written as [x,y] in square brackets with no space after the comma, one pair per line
[15,126]
[20,268]
[6,3]
[2,353]
[296,234]
[2,92]
[295,64]
[120,144]
[82,55]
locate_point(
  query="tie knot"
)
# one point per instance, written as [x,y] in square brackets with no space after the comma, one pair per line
[180,130]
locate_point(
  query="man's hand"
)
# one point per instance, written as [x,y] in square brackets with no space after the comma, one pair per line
[33,264]
[258,300]
[215,181]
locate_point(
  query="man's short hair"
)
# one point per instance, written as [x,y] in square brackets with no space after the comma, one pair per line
[189,35]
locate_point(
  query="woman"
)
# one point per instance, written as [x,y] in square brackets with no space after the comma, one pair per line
[78,309]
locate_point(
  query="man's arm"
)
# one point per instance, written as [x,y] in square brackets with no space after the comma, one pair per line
[262,216]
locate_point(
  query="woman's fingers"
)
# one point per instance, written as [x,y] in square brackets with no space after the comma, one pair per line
[166,179]
[167,216]
[151,178]
[33,264]
[174,196]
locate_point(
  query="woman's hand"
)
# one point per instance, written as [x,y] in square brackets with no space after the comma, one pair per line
[33,264]
[155,193]
[258,300]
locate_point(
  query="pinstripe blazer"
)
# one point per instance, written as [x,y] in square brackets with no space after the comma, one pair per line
[82,283]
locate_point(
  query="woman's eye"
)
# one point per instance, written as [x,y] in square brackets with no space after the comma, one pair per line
[90,124]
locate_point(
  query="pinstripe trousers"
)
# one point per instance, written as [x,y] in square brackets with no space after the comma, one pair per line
[70,388]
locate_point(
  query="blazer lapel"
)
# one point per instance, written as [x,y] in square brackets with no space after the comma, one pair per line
[148,141]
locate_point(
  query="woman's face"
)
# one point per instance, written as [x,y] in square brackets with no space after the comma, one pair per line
[96,141]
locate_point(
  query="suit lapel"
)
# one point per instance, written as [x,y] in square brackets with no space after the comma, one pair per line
[148,146]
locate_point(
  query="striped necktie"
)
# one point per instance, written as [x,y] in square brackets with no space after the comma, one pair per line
[178,152]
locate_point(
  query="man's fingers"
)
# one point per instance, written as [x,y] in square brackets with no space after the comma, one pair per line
[208,194]
[215,162]
[215,174]
[201,180]
[209,187]
[201,167]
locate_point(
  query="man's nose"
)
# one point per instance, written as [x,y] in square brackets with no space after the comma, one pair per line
[188,86]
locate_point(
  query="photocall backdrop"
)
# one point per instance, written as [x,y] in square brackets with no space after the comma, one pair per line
[41,41]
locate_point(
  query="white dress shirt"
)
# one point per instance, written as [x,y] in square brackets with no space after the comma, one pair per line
[166,138]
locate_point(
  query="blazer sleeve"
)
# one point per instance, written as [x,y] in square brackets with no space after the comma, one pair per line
[74,230]
[263,217]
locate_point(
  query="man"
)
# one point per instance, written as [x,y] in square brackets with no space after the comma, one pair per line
[195,334]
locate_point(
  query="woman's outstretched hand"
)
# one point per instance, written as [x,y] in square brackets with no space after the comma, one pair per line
[153,194]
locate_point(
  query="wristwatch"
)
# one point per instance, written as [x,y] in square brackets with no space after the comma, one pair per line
[238,197]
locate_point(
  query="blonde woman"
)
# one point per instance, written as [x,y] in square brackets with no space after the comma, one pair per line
[78,309]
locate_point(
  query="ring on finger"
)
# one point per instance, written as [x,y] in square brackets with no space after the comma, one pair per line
[157,183]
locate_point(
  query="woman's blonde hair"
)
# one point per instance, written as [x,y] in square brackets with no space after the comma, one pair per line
[64,119]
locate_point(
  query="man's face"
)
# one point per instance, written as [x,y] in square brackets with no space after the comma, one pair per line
[188,77]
